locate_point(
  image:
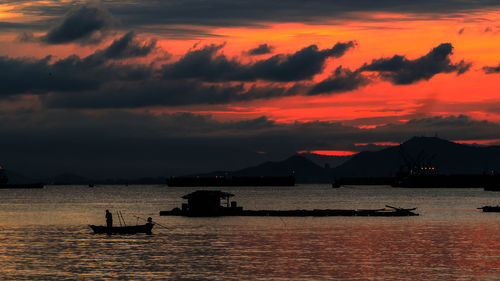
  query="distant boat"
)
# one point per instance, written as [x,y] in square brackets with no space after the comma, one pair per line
[488,209]
[133,229]
[91,185]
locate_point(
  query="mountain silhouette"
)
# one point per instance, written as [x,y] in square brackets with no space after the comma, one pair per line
[445,156]
[68,178]
[326,160]
[17,178]
[304,170]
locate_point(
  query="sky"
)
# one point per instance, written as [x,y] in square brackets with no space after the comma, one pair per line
[158,88]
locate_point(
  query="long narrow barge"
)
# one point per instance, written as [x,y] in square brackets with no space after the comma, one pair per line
[490,209]
[207,203]
[297,213]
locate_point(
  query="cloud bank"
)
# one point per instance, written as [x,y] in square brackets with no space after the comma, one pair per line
[86,24]
[402,71]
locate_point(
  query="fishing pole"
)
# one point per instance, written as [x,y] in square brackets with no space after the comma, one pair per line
[154,222]
[119,220]
[123,219]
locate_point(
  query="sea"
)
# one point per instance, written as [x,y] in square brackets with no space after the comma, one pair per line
[44,235]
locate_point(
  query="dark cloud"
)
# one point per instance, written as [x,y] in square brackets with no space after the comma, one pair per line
[238,12]
[459,127]
[205,13]
[341,80]
[400,70]
[71,74]
[98,81]
[262,49]
[27,37]
[44,143]
[151,92]
[85,25]
[101,81]
[39,75]
[128,47]
[75,74]
[491,69]
[208,64]
[15,26]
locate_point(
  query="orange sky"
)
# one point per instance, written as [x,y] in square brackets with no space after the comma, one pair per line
[84,100]
[444,94]
[474,36]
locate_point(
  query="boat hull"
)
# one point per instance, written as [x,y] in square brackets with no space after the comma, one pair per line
[133,229]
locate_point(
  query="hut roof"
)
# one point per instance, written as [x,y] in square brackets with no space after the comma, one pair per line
[208,193]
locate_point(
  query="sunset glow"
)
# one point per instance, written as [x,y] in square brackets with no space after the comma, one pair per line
[329,152]
[331,78]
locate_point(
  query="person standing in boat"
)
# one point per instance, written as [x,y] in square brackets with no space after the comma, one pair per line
[149,225]
[109,219]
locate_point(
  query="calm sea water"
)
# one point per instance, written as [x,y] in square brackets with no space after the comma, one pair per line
[44,236]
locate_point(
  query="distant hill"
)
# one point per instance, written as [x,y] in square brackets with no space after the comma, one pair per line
[304,170]
[446,156]
[16,178]
[326,160]
[68,178]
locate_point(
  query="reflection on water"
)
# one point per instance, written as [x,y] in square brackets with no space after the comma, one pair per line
[43,236]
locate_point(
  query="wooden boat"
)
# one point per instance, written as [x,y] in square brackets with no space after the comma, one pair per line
[490,209]
[133,229]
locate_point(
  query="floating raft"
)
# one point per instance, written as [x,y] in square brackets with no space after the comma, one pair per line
[207,203]
[492,209]
[298,213]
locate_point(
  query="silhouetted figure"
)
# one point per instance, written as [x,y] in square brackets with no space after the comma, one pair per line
[109,219]
[149,224]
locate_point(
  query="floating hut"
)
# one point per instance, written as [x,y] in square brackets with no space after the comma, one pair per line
[206,203]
